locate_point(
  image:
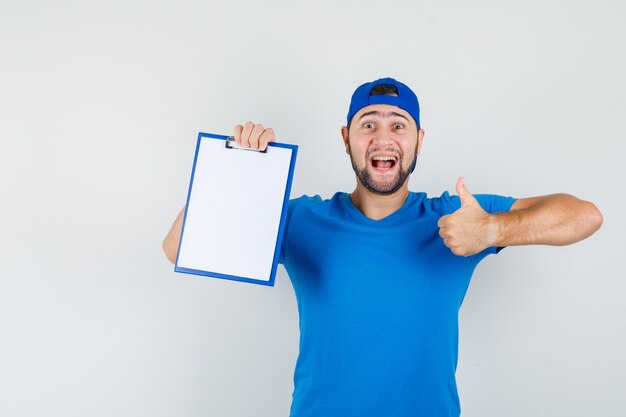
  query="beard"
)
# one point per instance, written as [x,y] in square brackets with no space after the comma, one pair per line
[385,187]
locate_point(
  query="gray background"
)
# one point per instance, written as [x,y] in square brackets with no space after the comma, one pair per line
[100,105]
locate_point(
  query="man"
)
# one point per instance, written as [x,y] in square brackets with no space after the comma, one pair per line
[380,273]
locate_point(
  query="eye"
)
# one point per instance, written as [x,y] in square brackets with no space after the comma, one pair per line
[368,125]
[398,126]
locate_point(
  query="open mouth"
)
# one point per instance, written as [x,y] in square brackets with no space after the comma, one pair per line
[384,163]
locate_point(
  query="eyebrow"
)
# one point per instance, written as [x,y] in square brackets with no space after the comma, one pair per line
[385,115]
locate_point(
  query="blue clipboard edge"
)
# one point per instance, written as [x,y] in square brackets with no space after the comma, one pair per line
[281,228]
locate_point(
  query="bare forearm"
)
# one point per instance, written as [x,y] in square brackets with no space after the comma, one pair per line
[559,219]
[171,241]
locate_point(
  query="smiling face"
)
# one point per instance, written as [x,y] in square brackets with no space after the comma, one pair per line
[383,142]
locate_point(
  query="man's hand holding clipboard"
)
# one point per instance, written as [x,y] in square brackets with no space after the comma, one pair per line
[253,136]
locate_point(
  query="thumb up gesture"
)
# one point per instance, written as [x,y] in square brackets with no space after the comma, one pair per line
[468,230]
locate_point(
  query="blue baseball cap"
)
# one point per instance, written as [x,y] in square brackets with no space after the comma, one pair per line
[406,99]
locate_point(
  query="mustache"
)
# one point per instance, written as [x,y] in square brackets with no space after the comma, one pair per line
[394,151]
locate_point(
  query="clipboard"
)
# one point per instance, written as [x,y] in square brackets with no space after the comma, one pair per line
[236,210]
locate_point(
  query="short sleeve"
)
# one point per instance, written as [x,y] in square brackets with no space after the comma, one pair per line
[492,203]
[292,206]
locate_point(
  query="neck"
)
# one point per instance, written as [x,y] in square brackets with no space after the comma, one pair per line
[377,206]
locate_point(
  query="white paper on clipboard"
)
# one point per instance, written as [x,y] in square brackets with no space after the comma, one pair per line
[236,207]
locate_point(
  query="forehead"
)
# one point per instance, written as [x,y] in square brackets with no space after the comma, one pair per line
[383,110]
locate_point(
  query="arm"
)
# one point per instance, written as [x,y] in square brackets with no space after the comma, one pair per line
[558,219]
[171,241]
[250,135]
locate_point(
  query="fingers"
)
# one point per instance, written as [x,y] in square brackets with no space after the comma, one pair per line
[444,229]
[452,243]
[237,133]
[245,134]
[466,197]
[455,244]
[266,137]
[253,136]
[443,221]
[460,186]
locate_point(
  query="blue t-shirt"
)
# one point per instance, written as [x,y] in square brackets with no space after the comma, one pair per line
[378,303]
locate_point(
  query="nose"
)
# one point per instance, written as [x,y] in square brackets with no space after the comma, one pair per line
[383,139]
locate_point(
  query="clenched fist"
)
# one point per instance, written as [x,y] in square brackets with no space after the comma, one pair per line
[253,136]
[468,230]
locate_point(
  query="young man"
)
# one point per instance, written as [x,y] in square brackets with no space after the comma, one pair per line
[380,273]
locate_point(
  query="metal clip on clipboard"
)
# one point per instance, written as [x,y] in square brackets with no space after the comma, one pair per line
[231,144]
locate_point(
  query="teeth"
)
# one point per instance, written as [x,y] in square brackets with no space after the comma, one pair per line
[384,158]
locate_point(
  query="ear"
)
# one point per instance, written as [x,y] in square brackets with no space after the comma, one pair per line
[420,139]
[344,135]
